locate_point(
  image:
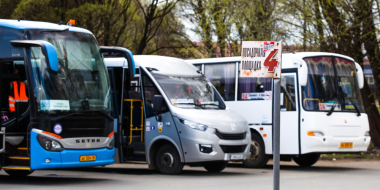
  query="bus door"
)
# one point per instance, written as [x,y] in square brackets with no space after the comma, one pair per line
[289,133]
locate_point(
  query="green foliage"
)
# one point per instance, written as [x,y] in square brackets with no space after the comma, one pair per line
[36,10]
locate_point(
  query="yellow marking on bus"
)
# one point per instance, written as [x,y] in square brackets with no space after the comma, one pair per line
[14,168]
[19,158]
[22,148]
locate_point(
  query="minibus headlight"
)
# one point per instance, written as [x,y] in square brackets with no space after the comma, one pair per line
[111,144]
[194,125]
[366,134]
[49,144]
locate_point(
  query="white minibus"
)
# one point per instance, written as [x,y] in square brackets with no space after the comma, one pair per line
[168,115]
[321,106]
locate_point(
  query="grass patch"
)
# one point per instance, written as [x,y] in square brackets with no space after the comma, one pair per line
[360,156]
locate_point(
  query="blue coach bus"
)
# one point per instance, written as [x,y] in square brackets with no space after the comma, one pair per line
[55,99]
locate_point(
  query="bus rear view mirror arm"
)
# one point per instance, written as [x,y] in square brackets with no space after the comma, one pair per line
[47,49]
[157,106]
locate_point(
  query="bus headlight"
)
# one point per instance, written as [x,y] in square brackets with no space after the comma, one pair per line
[366,134]
[49,144]
[111,144]
[194,125]
[315,134]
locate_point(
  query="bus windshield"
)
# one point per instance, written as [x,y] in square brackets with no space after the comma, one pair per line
[190,92]
[81,82]
[331,82]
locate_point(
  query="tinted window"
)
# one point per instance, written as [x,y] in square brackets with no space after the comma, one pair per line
[222,76]
[253,88]
[150,90]
[288,95]
[6,49]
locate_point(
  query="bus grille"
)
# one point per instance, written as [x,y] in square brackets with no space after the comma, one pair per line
[233,149]
[83,127]
[223,136]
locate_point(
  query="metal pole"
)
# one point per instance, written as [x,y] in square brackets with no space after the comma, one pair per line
[276,133]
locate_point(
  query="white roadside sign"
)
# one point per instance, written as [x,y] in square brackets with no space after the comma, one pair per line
[261,59]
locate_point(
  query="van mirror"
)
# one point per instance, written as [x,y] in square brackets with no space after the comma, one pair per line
[47,48]
[157,103]
[359,75]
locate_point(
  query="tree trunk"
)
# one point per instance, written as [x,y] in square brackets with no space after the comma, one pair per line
[372,48]
[319,26]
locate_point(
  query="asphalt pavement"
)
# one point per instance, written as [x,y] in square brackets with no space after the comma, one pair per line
[326,175]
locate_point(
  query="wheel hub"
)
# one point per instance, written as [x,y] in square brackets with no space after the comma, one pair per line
[255,151]
[167,160]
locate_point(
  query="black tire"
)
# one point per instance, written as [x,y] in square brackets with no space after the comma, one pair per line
[258,158]
[215,167]
[307,160]
[19,173]
[168,160]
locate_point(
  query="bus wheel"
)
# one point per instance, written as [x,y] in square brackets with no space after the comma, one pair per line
[307,159]
[168,160]
[215,166]
[19,173]
[258,159]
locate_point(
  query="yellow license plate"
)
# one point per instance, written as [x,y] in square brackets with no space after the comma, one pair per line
[346,145]
[87,158]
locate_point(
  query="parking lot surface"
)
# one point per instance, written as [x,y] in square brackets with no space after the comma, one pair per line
[324,175]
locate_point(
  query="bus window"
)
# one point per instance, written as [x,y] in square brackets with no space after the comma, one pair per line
[288,95]
[320,88]
[149,91]
[222,76]
[348,84]
[6,49]
[253,88]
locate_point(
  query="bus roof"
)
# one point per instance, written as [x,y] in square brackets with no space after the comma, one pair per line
[164,65]
[25,24]
[285,56]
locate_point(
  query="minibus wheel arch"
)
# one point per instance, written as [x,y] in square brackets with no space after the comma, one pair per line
[154,148]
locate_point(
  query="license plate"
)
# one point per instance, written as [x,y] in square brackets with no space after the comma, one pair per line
[236,157]
[346,145]
[87,158]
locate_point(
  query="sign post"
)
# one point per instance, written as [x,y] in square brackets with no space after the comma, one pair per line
[262,59]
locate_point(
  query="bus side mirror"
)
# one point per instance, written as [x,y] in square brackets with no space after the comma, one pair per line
[359,75]
[47,48]
[157,103]
[303,72]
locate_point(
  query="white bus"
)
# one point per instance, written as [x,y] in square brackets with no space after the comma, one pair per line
[321,106]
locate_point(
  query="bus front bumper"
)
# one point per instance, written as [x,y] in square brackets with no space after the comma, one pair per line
[43,159]
[336,144]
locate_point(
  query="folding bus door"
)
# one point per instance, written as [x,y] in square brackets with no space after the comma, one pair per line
[289,131]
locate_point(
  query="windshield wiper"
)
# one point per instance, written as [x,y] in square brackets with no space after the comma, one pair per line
[357,109]
[331,110]
[197,105]
[211,104]
[64,116]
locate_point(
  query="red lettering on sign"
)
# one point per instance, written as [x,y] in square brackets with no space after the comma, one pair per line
[271,63]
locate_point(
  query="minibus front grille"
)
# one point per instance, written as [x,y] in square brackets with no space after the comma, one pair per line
[233,149]
[224,136]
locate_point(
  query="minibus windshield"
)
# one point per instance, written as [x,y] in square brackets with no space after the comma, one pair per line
[81,83]
[190,92]
[331,83]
